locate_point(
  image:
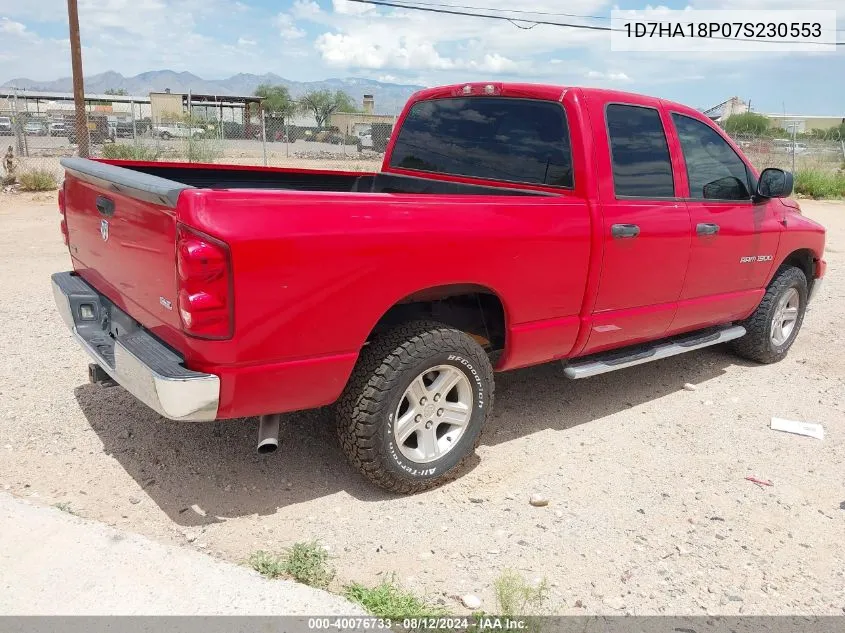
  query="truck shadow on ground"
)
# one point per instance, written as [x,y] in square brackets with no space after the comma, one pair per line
[214,465]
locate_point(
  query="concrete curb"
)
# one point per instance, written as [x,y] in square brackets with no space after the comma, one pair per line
[53,563]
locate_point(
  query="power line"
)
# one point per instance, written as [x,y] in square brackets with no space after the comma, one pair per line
[520,11]
[432,9]
[440,9]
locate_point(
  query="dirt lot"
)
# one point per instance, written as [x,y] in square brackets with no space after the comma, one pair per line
[650,511]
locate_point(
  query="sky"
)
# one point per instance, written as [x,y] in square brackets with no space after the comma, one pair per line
[307,40]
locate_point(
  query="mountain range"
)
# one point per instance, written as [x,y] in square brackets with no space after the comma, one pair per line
[389,97]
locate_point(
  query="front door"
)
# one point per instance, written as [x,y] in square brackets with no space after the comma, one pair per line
[646,230]
[734,239]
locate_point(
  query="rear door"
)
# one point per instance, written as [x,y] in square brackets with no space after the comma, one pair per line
[646,228]
[734,238]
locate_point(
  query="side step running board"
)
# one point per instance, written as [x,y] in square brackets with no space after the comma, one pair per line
[620,359]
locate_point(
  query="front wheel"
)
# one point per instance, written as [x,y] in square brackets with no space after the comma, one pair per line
[414,408]
[772,328]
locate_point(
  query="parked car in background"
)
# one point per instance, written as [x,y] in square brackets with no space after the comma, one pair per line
[784,146]
[365,141]
[509,225]
[122,129]
[177,130]
[35,128]
[57,128]
[5,126]
[98,128]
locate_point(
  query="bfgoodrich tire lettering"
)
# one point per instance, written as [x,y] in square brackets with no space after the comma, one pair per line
[758,344]
[367,410]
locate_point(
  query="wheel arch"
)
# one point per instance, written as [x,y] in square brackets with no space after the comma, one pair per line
[805,259]
[472,308]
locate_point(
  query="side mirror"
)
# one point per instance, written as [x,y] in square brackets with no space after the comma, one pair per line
[774,183]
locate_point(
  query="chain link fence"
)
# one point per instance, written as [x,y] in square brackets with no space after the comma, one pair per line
[348,141]
[803,152]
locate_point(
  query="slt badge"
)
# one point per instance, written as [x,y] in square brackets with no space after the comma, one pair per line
[104,230]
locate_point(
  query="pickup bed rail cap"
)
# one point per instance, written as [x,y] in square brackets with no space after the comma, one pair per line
[129,182]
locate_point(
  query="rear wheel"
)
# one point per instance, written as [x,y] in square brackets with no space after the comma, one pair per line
[414,408]
[772,328]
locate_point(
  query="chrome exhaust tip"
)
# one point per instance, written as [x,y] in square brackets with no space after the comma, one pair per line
[268,433]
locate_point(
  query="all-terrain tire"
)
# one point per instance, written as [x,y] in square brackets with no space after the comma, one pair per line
[757,344]
[365,411]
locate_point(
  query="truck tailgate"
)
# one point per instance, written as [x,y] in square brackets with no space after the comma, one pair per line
[121,228]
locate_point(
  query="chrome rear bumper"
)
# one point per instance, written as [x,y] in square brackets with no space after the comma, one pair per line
[136,360]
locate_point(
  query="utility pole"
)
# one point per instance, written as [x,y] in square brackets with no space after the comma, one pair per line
[82,140]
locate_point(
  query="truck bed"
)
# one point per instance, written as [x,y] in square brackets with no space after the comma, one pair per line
[242,272]
[238,177]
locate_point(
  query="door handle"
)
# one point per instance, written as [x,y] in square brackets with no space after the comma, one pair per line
[105,206]
[624,230]
[706,228]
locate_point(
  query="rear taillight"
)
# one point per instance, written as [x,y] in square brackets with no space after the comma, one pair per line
[204,276]
[62,210]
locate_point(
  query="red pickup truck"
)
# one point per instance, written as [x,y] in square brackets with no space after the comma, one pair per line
[510,225]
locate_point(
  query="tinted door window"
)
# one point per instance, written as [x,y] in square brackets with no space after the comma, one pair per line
[641,164]
[514,140]
[714,170]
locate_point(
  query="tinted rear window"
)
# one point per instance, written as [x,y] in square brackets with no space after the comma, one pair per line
[641,164]
[514,140]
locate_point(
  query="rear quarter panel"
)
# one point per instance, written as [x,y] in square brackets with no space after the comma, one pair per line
[314,272]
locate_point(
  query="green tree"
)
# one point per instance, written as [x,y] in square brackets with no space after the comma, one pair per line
[121,92]
[277,101]
[747,123]
[323,103]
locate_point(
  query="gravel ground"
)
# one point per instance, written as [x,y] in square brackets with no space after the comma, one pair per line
[649,508]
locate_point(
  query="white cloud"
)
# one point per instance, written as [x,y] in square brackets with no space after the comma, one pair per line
[305,9]
[130,36]
[611,76]
[351,8]
[390,44]
[40,10]
[401,39]
[362,51]
[494,63]
[287,27]
[13,29]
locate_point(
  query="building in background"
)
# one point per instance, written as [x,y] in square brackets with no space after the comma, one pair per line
[805,123]
[166,105]
[359,123]
[800,122]
[43,104]
[720,112]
